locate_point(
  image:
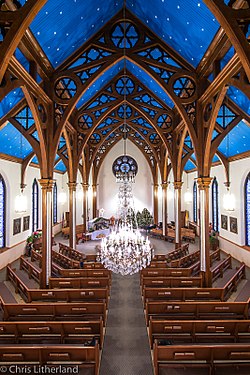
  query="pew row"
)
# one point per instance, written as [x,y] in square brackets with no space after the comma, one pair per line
[64,261]
[67,295]
[71,253]
[204,356]
[54,332]
[199,331]
[172,282]
[86,357]
[219,270]
[90,269]
[89,261]
[33,271]
[78,283]
[196,310]
[54,311]
[175,254]
[185,294]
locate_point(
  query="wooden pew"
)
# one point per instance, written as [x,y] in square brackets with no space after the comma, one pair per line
[232,284]
[86,357]
[190,259]
[36,257]
[183,294]
[199,331]
[64,261]
[187,260]
[171,282]
[175,254]
[165,272]
[78,283]
[79,230]
[221,268]
[203,356]
[188,234]
[71,253]
[67,295]
[85,273]
[58,332]
[54,311]
[196,310]
[32,270]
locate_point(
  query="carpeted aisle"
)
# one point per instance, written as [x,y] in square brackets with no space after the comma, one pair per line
[126,349]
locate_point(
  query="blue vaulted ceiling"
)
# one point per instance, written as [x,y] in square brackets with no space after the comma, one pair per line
[61,27]
[187,26]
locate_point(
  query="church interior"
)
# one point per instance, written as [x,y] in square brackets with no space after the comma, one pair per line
[125,187]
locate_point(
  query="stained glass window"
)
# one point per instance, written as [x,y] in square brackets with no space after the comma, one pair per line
[35,205]
[195,202]
[2,211]
[215,207]
[55,204]
[247,208]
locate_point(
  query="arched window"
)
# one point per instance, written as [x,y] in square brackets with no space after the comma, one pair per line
[195,202]
[215,206]
[35,205]
[2,211]
[55,204]
[247,208]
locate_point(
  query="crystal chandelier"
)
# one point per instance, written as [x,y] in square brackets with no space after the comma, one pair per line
[125,251]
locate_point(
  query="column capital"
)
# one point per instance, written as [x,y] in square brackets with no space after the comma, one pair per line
[204,182]
[178,184]
[72,185]
[165,185]
[85,185]
[47,183]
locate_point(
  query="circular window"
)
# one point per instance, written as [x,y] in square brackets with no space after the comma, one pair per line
[124,164]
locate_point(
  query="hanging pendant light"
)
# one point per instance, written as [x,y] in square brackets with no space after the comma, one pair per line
[21,203]
[62,198]
[228,198]
[229,201]
[188,196]
[21,199]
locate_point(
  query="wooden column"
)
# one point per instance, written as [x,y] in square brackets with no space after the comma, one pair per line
[156,203]
[85,187]
[164,186]
[72,214]
[46,186]
[94,200]
[203,184]
[177,212]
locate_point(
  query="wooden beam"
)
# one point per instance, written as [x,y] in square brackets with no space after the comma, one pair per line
[24,17]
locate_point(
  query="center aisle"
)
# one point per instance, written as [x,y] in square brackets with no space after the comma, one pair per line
[126,348]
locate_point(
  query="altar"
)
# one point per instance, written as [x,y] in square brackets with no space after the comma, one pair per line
[99,234]
[98,228]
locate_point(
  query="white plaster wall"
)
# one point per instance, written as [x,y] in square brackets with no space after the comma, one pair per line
[239,170]
[108,188]
[11,173]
